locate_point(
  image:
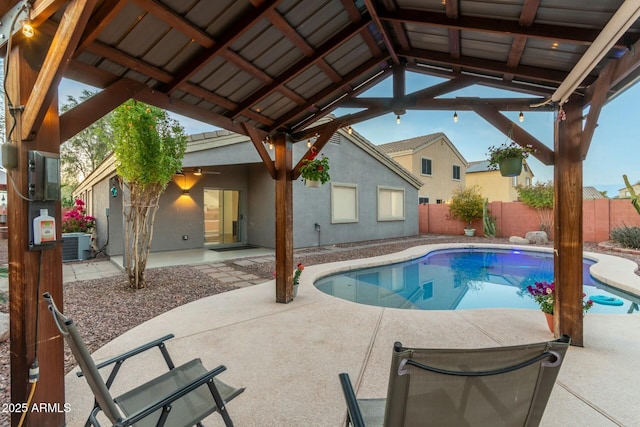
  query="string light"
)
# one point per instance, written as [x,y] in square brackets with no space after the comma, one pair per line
[455,117]
[521,117]
[27,29]
[350,130]
[308,143]
[398,119]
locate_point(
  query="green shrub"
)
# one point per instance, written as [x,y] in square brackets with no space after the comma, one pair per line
[627,237]
[466,204]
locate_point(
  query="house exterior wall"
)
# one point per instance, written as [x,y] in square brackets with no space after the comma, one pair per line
[496,187]
[349,164]
[440,184]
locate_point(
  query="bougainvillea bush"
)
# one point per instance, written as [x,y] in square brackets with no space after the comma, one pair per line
[76,220]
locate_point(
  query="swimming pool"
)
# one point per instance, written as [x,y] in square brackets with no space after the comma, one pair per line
[462,278]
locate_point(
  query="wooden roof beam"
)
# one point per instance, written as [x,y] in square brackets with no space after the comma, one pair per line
[102,18]
[515,132]
[231,35]
[257,138]
[318,145]
[83,115]
[383,31]
[342,121]
[556,33]
[314,112]
[489,66]
[62,47]
[299,67]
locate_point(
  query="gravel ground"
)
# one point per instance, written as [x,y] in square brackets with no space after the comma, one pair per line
[91,302]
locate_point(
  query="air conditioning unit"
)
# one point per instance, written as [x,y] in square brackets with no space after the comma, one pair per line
[76,246]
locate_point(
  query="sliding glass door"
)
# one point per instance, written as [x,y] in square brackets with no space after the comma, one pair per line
[221,209]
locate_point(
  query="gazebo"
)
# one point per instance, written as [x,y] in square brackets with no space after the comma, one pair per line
[269,69]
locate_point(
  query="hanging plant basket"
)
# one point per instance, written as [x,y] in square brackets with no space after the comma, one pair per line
[511,166]
[312,183]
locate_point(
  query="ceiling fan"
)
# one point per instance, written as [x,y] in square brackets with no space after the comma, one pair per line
[201,171]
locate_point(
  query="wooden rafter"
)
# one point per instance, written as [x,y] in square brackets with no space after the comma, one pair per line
[383,31]
[257,138]
[310,105]
[231,35]
[488,66]
[99,105]
[64,43]
[296,69]
[527,16]
[600,91]
[104,15]
[515,132]
[557,33]
[318,145]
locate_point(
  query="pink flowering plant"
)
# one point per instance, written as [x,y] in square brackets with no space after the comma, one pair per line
[297,273]
[544,294]
[76,220]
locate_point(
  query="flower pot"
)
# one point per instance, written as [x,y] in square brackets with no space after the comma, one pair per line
[469,231]
[511,166]
[549,321]
[311,183]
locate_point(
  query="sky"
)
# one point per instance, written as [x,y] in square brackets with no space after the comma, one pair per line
[614,149]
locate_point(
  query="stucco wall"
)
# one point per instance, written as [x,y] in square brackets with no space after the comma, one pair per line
[440,184]
[349,165]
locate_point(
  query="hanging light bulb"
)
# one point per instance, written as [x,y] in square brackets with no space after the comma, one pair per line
[350,130]
[521,117]
[270,145]
[308,143]
[398,119]
[455,117]
[27,28]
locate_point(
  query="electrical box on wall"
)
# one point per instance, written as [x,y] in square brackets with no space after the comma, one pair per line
[43,193]
[44,176]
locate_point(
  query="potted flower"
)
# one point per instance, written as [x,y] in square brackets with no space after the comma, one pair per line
[544,294]
[467,204]
[296,278]
[315,171]
[508,158]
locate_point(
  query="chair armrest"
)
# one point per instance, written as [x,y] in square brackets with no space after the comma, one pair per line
[353,409]
[124,356]
[186,389]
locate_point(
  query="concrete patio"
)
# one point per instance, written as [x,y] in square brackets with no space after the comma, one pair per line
[289,356]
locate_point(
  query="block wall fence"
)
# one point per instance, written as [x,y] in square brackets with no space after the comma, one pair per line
[599,217]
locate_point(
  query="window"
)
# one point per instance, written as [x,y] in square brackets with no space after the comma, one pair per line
[344,203]
[423,200]
[426,166]
[456,172]
[439,201]
[390,204]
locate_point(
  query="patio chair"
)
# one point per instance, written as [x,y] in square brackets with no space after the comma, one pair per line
[183,396]
[502,386]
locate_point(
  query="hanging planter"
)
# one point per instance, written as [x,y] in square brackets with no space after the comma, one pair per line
[313,169]
[508,157]
[511,166]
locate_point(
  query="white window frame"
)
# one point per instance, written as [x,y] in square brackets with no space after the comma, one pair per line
[459,172]
[394,191]
[336,204]
[422,159]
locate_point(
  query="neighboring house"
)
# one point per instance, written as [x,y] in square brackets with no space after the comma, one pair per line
[590,193]
[434,160]
[225,196]
[495,187]
[624,192]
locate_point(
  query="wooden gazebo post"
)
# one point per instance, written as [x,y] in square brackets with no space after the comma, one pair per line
[284,218]
[27,309]
[568,232]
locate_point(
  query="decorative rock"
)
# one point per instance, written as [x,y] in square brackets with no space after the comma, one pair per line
[519,240]
[4,327]
[537,237]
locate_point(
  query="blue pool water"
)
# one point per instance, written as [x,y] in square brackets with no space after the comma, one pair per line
[455,279]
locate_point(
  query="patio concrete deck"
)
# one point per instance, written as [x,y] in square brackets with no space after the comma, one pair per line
[289,356]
